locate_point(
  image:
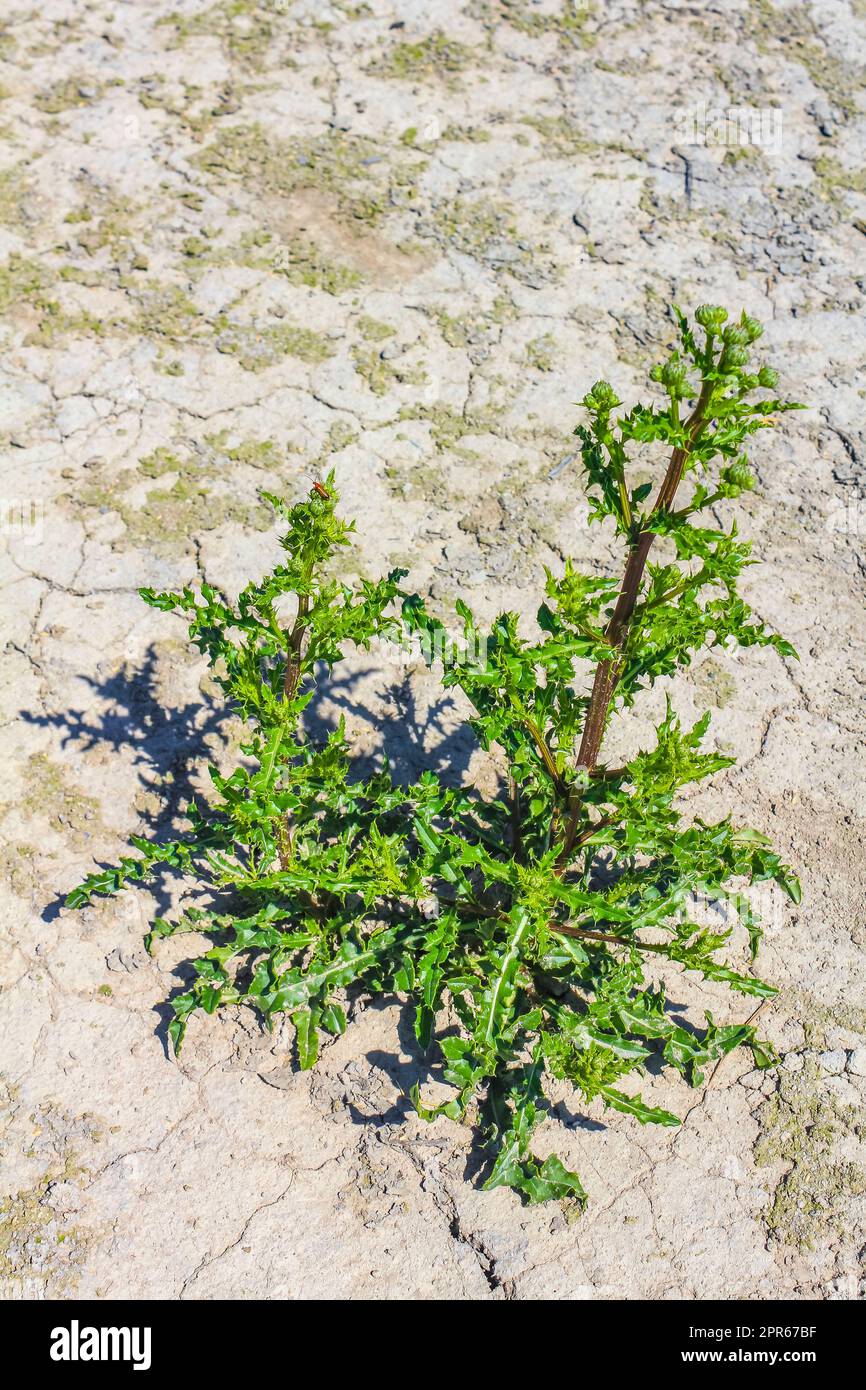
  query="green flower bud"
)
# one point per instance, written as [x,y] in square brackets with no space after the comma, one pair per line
[768,377]
[737,477]
[733,356]
[674,379]
[601,397]
[672,375]
[751,327]
[711,317]
[735,336]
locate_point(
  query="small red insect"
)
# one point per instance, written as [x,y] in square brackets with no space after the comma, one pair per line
[322,491]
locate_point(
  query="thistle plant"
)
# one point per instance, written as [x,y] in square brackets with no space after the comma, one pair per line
[523,929]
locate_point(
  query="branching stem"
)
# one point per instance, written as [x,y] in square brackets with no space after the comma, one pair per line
[291,680]
[295,648]
[608,671]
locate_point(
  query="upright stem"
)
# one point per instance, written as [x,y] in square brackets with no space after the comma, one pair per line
[516,827]
[291,680]
[295,647]
[608,672]
[546,755]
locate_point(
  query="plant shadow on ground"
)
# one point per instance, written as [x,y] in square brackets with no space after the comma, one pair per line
[167,742]
[413,741]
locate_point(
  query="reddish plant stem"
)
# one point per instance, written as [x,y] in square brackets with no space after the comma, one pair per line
[546,755]
[291,680]
[608,672]
[476,909]
[585,934]
[516,830]
[294,648]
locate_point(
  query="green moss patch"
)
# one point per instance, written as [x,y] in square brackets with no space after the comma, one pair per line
[801,1124]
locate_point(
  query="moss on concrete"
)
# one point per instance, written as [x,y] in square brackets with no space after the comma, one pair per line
[467,134]
[412,481]
[259,346]
[251,453]
[69,93]
[448,426]
[834,179]
[192,498]
[794,28]
[303,263]
[349,167]
[49,794]
[21,281]
[298,260]
[436,56]
[18,867]
[166,311]
[247,29]
[800,1126]
[374,330]
[381,373]
[14,186]
[486,229]
[568,23]
[540,353]
[560,136]
[713,684]
[41,1251]
[105,224]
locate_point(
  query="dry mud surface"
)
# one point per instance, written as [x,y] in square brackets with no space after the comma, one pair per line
[240,241]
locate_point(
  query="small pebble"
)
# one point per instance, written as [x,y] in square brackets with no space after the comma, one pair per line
[555,472]
[857,1061]
[793,1061]
[833,1062]
[752,1080]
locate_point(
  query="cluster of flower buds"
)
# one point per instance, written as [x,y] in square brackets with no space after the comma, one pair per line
[602,398]
[734,358]
[711,317]
[750,327]
[673,377]
[737,339]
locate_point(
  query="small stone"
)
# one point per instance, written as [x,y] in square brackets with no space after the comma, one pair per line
[857,1061]
[752,1080]
[833,1062]
[485,518]
[793,1061]
[282,1078]
[122,958]
[845,1092]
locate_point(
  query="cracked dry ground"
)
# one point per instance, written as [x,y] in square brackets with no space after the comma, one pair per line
[240,241]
